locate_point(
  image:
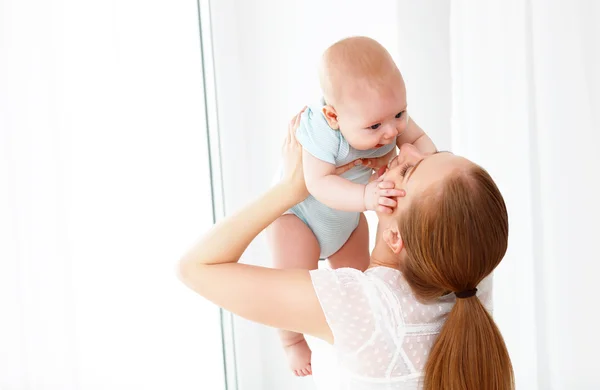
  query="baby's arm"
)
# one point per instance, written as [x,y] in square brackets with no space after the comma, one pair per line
[332,190]
[342,194]
[416,136]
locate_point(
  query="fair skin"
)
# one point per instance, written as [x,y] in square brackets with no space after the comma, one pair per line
[368,118]
[211,268]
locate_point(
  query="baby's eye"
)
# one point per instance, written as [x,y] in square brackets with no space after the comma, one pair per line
[375,127]
[398,115]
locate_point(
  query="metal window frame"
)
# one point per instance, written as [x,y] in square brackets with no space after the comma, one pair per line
[216,174]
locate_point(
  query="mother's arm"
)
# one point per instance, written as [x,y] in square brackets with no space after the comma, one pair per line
[283,299]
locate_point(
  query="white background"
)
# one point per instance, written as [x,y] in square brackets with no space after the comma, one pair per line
[104,183]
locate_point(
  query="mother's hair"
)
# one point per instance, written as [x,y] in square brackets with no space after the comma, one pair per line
[454,236]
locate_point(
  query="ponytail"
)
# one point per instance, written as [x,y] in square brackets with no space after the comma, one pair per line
[469,353]
[454,236]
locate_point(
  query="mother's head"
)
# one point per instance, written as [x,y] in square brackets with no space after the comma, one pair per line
[448,233]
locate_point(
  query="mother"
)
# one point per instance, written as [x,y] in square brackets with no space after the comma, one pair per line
[416,318]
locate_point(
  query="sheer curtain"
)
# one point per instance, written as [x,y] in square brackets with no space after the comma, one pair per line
[525,95]
[104,182]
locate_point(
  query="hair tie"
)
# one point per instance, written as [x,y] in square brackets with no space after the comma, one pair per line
[466,293]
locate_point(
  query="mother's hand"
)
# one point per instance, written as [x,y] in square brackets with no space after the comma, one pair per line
[293,171]
[292,159]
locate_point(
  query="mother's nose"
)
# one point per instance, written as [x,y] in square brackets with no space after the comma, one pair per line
[410,152]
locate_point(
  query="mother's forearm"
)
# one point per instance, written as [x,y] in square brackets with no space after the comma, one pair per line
[229,238]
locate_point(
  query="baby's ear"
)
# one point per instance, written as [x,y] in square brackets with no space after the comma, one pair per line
[331,116]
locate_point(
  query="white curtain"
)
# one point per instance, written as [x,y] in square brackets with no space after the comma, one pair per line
[525,95]
[104,182]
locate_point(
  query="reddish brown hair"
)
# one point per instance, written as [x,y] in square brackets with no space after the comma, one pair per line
[454,237]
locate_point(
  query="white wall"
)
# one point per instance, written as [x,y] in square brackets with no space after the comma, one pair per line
[103,185]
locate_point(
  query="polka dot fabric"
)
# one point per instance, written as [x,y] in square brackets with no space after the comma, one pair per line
[382,333]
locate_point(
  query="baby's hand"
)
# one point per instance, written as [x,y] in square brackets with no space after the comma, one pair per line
[379,196]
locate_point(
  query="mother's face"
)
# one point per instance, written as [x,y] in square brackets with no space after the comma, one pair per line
[417,173]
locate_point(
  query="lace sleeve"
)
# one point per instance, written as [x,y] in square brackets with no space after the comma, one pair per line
[343,295]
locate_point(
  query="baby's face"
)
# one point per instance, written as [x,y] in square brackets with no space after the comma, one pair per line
[372,118]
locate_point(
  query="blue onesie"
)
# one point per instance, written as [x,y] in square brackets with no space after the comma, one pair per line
[331,227]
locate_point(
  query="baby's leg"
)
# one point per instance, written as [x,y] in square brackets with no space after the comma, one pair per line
[293,245]
[355,252]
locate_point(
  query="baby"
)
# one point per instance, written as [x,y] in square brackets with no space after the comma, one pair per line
[362,117]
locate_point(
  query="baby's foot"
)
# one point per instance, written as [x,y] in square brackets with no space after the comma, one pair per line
[298,355]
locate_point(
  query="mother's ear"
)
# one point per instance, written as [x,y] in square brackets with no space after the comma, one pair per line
[392,238]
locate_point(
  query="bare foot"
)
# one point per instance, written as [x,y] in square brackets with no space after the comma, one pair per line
[299,355]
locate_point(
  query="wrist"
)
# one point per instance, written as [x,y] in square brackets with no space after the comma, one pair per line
[365,199]
[292,192]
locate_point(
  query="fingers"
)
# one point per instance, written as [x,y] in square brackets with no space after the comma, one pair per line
[289,133]
[375,162]
[392,193]
[386,203]
[387,188]
[297,120]
[386,197]
[384,209]
[347,167]
[290,137]
[303,372]
[365,162]
[389,202]
[371,162]
[386,185]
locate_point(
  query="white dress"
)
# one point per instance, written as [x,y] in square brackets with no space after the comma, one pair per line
[382,334]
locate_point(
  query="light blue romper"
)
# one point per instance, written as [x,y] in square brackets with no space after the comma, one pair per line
[331,227]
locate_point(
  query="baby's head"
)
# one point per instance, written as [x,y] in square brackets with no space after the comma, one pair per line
[364,92]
